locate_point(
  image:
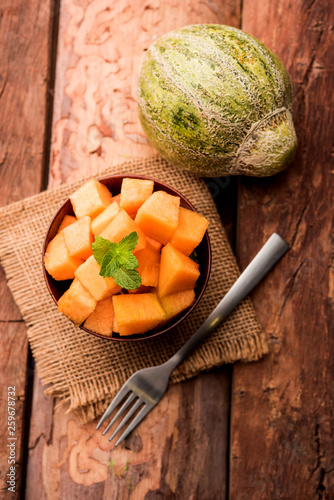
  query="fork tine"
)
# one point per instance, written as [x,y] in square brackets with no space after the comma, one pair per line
[115,402]
[131,412]
[143,412]
[131,398]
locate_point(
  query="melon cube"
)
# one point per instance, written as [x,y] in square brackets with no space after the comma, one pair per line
[90,199]
[177,271]
[104,218]
[177,302]
[158,217]
[102,318]
[149,265]
[190,231]
[79,239]
[114,326]
[76,303]
[67,221]
[155,244]
[137,313]
[58,262]
[98,286]
[117,198]
[121,226]
[134,192]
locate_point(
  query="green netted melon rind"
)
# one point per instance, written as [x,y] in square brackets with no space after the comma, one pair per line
[216,101]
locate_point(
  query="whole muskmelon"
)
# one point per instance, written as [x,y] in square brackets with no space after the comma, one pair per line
[216,101]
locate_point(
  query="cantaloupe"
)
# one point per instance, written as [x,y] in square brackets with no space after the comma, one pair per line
[177,271]
[190,231]
[155,244]
[137,313]
[79,239]
[58,262]
[117,198]
[158,217]
[134,192]
[216,101]
[121,226]
[67,221]
[98,286]
[115,327]
[76,303]
[177,302]
[149,265]
[168,275]
[90,199]
[104,218]
[102,318]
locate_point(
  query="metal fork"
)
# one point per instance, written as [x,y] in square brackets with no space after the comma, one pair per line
[144,389]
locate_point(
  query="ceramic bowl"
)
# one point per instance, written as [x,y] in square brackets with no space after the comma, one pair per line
[203,252]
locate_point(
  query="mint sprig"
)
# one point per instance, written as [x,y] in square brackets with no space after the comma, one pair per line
[117,260]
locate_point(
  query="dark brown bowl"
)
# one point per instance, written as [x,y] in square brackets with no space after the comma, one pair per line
[203,253]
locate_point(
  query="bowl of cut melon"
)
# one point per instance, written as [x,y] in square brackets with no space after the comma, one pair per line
[127,257]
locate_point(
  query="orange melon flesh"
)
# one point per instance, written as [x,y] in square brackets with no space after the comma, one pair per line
[102,318]
[149,265]
[115,327]
[177,302]
[121,226]
[76,303]
[137,313]
[177,271]
[155,244]
[104,218]
[67,221]
[58,262]
[117,198]
[158,217]
[98,286]
[190,231]
[90,199]
[79,239]
[134,192]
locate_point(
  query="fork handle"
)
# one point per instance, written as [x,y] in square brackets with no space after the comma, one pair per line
[264,260]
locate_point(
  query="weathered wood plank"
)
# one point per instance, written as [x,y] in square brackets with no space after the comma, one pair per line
[13,364]
[178,452]
[282,407]
[40,436]
[95,120]
[24,33]
[95,123]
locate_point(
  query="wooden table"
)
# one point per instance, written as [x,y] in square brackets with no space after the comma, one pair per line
[68,107]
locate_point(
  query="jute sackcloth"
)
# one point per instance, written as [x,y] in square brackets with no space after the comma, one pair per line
[83,371]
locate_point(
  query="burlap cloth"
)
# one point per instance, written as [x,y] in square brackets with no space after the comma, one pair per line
[83,371]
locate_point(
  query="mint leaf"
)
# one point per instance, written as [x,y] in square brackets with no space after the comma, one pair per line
[128,243]
[128,260]
[109,265]
[127,278]
[117,260]
[100,247]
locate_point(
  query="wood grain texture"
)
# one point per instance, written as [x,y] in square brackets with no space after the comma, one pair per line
[179,451]
[95,121]
[95,124]
[13,369]
[24,34]
[282,407]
